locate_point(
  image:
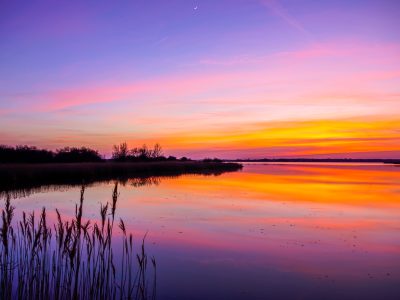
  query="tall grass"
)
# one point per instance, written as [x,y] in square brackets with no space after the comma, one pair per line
[73,259]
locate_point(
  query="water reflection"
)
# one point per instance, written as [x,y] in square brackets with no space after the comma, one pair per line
[135,182]
[307,231]
[138,182]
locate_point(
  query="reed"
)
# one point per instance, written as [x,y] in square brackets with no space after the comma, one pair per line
[73,259]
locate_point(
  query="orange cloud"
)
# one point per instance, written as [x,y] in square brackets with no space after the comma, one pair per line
[333,98]
[294,138]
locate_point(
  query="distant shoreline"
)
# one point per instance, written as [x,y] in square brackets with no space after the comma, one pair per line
[319,160]
[17,176]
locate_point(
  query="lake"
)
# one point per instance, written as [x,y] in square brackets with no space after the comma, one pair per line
[276,231]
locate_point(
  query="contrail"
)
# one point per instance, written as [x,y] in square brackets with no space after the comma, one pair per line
[281,12]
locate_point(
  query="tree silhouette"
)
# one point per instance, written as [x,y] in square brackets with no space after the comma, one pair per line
[120,152]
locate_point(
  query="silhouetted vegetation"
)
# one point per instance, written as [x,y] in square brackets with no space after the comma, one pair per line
[27,154]
[77,155]
[75,259]
[212,160]
[19,176]
[121,152]
[24,154]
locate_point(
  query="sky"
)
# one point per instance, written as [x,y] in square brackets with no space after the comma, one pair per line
[205,78]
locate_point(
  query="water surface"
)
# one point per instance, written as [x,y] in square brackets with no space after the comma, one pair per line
[295,231]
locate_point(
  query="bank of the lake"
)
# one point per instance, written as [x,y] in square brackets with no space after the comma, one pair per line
[13,176]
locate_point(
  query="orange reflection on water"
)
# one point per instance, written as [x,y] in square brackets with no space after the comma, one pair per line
[341,220]
[333,226]
[360,185]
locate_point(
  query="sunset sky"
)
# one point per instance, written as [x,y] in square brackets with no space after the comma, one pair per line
[216,78]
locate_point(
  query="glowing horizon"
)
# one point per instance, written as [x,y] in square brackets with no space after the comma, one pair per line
[229,79]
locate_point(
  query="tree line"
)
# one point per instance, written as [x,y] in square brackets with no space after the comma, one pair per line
[121,153]
[29,154]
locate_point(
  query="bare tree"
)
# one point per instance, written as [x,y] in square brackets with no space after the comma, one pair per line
[120,152]
[157,151]
[143,152]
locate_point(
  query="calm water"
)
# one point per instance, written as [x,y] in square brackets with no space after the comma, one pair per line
[295,231]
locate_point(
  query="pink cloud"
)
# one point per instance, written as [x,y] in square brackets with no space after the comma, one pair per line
[382,53]
[329,80]
[282,84]
[171,86]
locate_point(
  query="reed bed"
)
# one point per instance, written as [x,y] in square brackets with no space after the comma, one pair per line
[72,259]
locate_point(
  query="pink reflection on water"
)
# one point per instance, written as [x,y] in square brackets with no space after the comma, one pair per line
[304,223]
